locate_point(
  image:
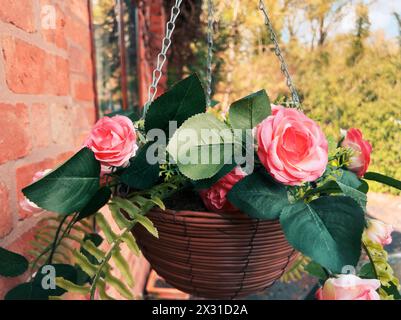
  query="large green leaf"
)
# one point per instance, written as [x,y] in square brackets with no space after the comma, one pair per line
[328,230]
[12,264]
[36,290]
[378,177]
[349,178]
[207,183]
[189,145]
[248,112]
[140,174]
[68,188]
[259,196]
[98,201]
[183,100]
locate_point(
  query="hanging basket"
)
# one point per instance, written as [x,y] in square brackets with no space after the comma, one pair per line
[215,255]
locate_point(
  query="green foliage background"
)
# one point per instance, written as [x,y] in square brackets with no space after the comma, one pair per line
[345,80]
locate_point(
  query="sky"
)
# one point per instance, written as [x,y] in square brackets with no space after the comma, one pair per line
[381,18]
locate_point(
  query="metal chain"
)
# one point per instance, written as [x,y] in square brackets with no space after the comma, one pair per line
[162,56]
[277,51]
[210,31]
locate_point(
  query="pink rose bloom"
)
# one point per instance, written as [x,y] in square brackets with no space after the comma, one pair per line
[276,108]
[379,232]
[28,205]
[292,147]
[360,158]
[349,287]
[113,140]
[215,198]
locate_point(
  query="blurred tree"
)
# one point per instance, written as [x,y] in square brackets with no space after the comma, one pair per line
[361,34]
[398,18]
[323,17]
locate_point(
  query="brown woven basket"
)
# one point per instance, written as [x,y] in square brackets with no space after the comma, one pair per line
[215,255]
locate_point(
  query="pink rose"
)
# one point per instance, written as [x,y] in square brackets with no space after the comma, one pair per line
[292,147]
[379,232]
[276,108]
[113,140]
[360,158]
[349,287]
[215,198]
[28,205]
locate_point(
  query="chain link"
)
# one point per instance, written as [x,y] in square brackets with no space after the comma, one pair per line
[210,44]
[283,65]
[162,56]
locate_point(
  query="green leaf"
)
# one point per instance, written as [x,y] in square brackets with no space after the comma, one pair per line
[35,290]
[315,270]
[248,112]
[367,271]
[183,100]
[383,179]
[91,240]
[347,183]
[68,188]
[259,196]
[355,194]
[98,201]
[328,230]
[392,290]
[364,187]
[26,291]
[12,264]
[189,145]
[140,174]
[66,271]
[349,179]
[207,183]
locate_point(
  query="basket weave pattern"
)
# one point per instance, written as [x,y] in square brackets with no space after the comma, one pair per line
[215,255]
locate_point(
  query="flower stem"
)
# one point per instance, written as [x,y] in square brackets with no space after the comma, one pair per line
[370,259]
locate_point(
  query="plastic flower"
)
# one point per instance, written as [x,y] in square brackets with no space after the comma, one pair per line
[28,205]
[292,147]
[361,150]
[349,287]
[379,232]
[113,141]
[215,198]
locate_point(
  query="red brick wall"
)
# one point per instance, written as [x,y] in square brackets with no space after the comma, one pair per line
[47,101]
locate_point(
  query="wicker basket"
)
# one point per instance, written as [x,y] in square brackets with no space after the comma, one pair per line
[214,255]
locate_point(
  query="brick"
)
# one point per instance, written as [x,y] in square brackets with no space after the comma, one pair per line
[63,157]
[80,9]
[54,34]
[80,138]
[19,13]
[21,246]
[31,70]
[76,57]
[6,221]
[40,124]
[62,118]
[83,91]
[78,33]
[14,136]
[24,175]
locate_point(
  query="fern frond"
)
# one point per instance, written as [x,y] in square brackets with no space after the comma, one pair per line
[296,271]
[126,213]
